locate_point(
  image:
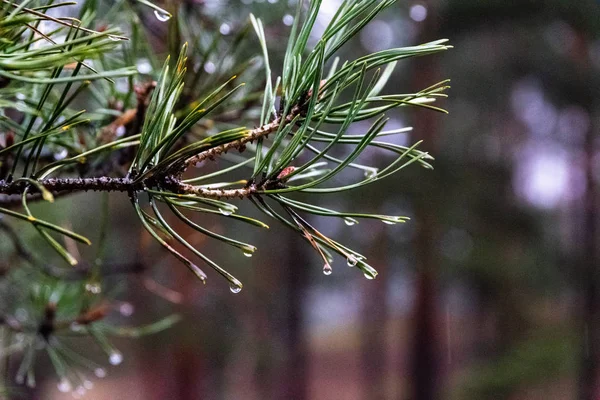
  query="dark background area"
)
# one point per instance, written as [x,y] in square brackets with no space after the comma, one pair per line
[491,291]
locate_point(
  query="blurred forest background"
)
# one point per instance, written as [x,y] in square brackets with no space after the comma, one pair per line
[491,291]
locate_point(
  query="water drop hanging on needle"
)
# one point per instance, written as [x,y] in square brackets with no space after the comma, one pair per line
[162,16]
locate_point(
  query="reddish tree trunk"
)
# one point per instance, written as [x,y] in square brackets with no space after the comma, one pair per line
[424,371]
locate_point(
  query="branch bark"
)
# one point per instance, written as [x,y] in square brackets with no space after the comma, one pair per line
[240,144]
[170,181]
[107,184]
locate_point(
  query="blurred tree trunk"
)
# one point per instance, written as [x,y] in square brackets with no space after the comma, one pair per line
[265,332]
[588,380]
[281,367]
[190,374]
[589,388]
[374,322]
[294,381]
[423,363]
[424,368]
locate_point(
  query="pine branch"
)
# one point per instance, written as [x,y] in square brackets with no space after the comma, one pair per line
[107,184]
[72,185]
[250,137]
[140,139]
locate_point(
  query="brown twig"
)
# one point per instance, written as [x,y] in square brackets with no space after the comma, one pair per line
[240,144]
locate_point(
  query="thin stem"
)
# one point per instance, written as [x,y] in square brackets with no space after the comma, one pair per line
[106,184]
[241,193]
[240,144]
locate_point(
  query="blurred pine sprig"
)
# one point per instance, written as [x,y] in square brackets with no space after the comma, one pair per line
[143,127]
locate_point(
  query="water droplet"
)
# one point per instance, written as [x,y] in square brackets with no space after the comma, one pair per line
[59,155]
[100,372]
[288,20]
[327,269]
[94,288]
[120,131]
[210,67]
[371,173]
[115,358]
[349,221]
[144,66]
[64,385]
[126,309]
[235,288]
[75,327]
[225,29]
[162,16]
[89,385]
[224,211]
[352,261]
[369,276]
[418,12]
[248,253]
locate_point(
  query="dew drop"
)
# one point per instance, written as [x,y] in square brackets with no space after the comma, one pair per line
[224,211]
[418,12]
[162,16]
[64,385]
[327,269]
[100,372]
[248,254]
[115,358]
[144,66]
[94,288]
[225,29]
[120,131]
[89,385]
[235,288]
[210,67]
[349,221]
[75,327]
[59,155]
[371,173]
[351,261]
[126,309]
[288,20]
[369,276]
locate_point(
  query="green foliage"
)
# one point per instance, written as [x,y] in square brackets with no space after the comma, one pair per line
[142,139]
